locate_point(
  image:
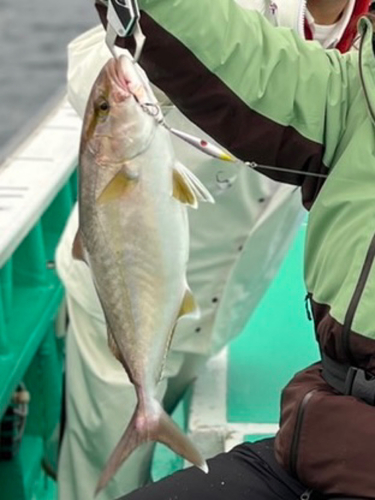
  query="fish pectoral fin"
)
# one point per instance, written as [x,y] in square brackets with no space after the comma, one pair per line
[77,249]
[182,191]
[189,305]
[194,185]
[117,187]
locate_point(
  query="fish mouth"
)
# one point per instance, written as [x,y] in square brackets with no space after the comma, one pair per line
[129,77]
[129,81]
[117,75]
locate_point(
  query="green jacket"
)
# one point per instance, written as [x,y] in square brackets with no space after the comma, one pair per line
[272,98]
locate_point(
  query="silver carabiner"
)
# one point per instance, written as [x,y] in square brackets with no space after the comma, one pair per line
[123,21]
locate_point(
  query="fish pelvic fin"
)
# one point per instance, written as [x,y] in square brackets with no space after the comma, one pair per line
[187,188]
[150,423]
[77,250]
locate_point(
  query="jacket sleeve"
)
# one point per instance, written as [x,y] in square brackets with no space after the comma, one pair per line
[261,92]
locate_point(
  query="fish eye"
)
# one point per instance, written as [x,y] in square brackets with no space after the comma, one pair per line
[103,106]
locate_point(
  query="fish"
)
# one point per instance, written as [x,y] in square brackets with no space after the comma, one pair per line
[134,235]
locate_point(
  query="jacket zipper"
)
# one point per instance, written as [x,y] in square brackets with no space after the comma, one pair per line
[297,431]
[301,18]
[306,495]
[363,277]
[308,306]
[310,313]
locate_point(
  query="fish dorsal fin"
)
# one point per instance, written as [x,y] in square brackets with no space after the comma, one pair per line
[77,250]
[187,188]
[189,305]
[117,187]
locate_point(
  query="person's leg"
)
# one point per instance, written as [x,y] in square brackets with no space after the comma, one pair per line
[248,472]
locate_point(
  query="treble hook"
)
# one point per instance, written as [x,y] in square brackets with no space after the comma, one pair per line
[224,183]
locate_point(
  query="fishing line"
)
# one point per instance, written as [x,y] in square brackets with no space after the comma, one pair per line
[218,153]
[253,165]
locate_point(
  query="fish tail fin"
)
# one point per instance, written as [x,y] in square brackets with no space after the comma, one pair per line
[168,433]
[150,426]
[129,441]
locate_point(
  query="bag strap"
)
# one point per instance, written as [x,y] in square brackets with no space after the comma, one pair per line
[349,380]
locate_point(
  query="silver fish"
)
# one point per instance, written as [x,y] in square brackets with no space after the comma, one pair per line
[134,235]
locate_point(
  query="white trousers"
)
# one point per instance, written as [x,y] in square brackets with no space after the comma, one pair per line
[100,402]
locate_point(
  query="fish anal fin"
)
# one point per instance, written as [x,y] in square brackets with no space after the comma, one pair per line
[117,187]
[77,249]
[113,346]
[116,351]
[182,191]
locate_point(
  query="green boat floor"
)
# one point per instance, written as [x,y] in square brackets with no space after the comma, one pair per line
[277,342]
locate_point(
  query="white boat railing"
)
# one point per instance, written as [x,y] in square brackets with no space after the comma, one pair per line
[32,175]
